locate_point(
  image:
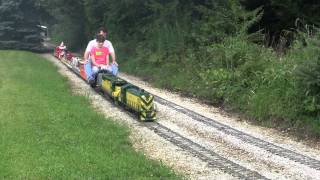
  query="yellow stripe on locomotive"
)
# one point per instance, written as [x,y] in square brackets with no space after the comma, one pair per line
[106,85]
[142,102]
[112,85]
[118,89]
[133,101]
[130,96]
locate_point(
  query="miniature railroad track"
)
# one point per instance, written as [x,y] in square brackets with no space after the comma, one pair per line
[272,148]
[213,159]
[210,157]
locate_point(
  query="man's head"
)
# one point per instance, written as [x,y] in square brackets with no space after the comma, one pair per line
[100,40]
[102,31]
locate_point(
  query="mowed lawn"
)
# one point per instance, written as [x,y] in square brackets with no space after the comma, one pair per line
[48,133]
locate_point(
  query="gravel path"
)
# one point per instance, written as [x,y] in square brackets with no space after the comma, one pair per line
[251,157]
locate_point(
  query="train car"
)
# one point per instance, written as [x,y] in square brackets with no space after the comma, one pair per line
[72,62]
[112,85]
[130,96]
[138,100]
[121,92]
[63,54]
[68,56]
[57,52]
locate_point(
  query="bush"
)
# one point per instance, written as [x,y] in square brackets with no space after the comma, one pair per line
[232,70]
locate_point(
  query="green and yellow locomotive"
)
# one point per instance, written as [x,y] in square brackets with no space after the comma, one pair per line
[129,96]
[120,91]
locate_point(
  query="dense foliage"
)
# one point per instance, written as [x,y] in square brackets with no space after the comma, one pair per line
[66,21]
[19,20]
[280,16]
[258,57]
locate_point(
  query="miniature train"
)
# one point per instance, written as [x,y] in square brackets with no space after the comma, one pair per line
[120,91]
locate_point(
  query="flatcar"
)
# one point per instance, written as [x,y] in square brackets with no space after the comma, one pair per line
[120,91]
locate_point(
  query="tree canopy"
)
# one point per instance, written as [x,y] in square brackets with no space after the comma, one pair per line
[181,22]
[19,25]
[281,17]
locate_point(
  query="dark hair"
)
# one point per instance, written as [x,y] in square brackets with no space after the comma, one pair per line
[100,38]
[103,29]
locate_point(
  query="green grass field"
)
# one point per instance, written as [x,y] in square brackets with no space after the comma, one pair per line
[48,133]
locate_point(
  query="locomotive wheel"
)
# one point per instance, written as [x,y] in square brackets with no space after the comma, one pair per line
[114,100]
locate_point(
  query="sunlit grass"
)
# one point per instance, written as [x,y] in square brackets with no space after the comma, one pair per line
[46,132]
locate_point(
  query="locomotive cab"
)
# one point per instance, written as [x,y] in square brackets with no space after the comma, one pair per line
[112,85]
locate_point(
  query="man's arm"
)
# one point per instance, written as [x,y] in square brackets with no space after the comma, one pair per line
[113,55]
[107,60]
[87,52]
[108,44]
[85,56]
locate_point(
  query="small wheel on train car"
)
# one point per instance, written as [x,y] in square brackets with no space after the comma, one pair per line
[115,101]
[92,83]
[140,117]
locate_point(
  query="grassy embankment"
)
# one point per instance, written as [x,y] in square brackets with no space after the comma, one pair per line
[46,132]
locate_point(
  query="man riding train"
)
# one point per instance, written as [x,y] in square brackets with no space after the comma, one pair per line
[96,56]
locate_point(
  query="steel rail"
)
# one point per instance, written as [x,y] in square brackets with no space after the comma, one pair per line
[265,145]
[213,160]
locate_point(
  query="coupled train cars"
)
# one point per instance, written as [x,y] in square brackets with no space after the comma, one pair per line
[120,91]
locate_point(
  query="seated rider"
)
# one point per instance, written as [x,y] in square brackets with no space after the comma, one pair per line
[63,49]
[87,57]
[100,56]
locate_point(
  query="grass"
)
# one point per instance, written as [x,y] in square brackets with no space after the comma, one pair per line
[48,133]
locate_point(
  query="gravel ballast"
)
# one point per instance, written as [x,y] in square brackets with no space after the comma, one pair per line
[247,155]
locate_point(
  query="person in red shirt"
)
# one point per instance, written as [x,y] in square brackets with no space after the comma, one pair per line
[87,60]
[100,56]
[100,61]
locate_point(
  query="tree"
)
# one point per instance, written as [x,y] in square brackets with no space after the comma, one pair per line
[19,20]
[66,21]
[279,19]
